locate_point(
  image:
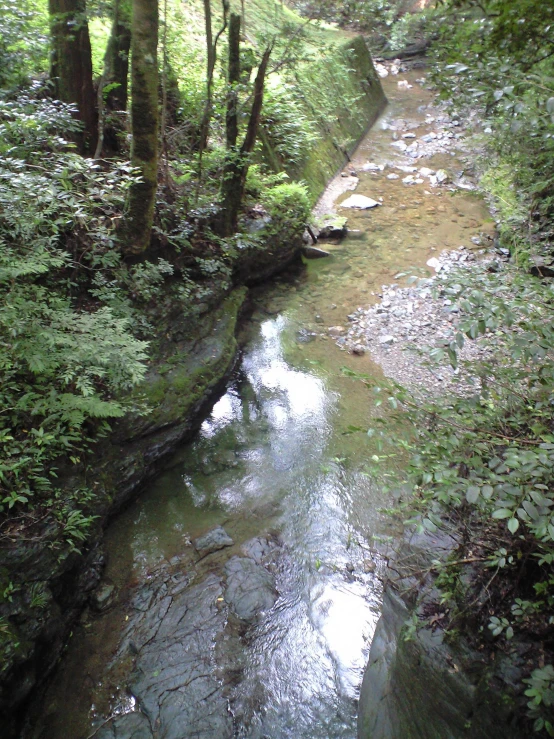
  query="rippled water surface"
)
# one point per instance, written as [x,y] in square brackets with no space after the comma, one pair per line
[275,459]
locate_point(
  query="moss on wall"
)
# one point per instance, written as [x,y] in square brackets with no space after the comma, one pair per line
[342,96]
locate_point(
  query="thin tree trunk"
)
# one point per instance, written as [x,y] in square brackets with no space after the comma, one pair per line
[114,78]
[211,49]
[71,65]
[233,78]
[238,159]
[116,60]
[163,126]
[144,124]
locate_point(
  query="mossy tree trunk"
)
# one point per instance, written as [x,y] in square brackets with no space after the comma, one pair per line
[71,65]
[113,87]
[238,158]
[144,124]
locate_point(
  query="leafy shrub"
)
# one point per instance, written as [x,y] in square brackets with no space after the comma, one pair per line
[65,359]
[289,206]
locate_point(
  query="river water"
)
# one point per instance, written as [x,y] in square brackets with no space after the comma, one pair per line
[276,464]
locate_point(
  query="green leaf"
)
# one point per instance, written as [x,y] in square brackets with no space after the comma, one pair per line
[513,525]
[502,513]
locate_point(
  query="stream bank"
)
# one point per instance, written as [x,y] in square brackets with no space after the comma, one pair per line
[263,628]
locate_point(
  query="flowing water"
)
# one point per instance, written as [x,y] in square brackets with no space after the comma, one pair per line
[276,462]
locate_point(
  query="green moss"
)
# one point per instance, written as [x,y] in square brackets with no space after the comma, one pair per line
[187,378]
[342,96]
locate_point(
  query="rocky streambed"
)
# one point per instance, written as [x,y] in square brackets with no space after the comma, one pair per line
[242,590]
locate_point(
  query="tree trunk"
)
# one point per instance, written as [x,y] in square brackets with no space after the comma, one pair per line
[211,58]
[116,60]
[144,124]
[71,65]
[238,160]
[233,78]
[112,89]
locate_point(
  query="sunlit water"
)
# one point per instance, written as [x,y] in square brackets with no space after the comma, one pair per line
[276,457]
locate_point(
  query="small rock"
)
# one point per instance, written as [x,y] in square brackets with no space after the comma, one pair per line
[426,172]
[213,541]
[442,176]
[337,330]
[408,135]
[434,264]
[393,176]
[102,598]
[389,339]
[358,349]
[359,201]
[312,252]
[372,167]
[400,145]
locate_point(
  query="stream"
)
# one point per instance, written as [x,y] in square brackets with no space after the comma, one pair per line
[263,629]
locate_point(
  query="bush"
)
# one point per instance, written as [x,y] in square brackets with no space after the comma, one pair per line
[289,206]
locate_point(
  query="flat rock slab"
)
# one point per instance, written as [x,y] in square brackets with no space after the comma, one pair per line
[131,726]
[250,588]
[213,541]
[175,680]
[359,201]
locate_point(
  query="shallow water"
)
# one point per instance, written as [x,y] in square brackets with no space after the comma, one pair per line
[275,459]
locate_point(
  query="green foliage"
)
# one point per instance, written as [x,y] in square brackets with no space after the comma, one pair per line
[496,59]
[541,693]
[65,360]
[23,41]
[286,124]
[289,207]
[484,458]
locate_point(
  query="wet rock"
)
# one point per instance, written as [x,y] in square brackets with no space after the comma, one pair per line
[250,588]
[103,597]
[174,681]
[333,227]
[359,201]
[304,336]
[312,252]
[131,726]
[259,549]
[213,541]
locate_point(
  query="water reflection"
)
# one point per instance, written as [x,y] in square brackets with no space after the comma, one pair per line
[266,459]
